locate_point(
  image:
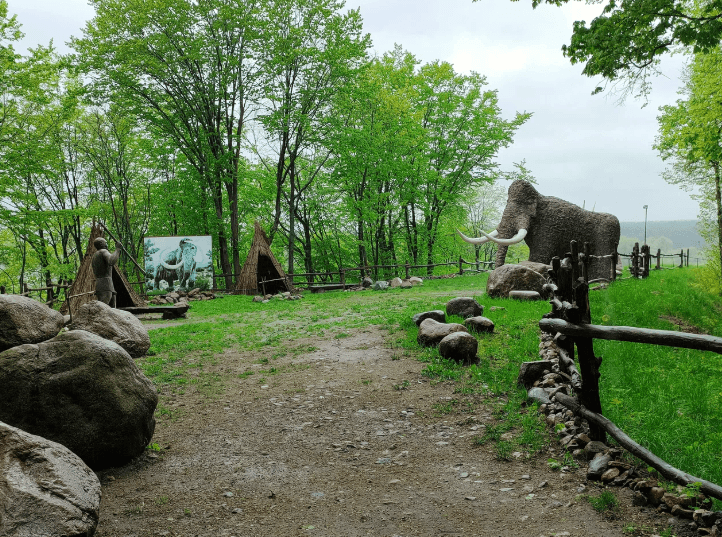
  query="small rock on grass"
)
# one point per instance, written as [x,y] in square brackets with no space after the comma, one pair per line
[464,306]
[459,346]
[480,324]
[437,315]
[431,332]
[538,395]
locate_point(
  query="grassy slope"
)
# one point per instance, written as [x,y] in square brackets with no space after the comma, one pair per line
[665,398]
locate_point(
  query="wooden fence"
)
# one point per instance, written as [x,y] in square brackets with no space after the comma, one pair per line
[337,279]
[640,260]
[52,291]
[570,323]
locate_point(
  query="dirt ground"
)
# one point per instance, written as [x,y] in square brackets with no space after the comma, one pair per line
[327,447]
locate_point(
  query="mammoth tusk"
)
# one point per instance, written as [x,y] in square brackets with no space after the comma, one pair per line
[480,240]
[508,242]
[171,267]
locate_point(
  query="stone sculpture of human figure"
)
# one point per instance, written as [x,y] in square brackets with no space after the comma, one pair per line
[103,262]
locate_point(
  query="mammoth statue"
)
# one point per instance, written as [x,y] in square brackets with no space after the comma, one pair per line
[179,264]
[547,225]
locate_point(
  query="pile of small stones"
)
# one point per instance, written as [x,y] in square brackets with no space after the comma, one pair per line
[606,464]
[181,296]
[280,296]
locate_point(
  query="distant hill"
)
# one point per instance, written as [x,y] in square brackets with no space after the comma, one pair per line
[682,233]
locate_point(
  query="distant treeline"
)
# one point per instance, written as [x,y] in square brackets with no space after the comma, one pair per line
[682,233]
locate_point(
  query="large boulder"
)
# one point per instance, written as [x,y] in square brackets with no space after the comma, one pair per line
[116,325]
[415,280]
[396,282]
[431,332]
[367,282]
[508,278]
[82,391]
[464,306]
[459,346]
[45,489]
[380,285]
[24,320]
[541,268]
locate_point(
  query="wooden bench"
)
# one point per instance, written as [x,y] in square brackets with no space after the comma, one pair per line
[169,312]
[327,287]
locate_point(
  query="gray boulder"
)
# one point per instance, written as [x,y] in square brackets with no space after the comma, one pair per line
[380,286]
[431,332]
[82,391]
[514,278]
[116,325]
[45,489]
[437,315]
[538,395]
[529,372]
[464,306]
[367,282]
[541,268]
[459,346]
[24,320]
[479,324]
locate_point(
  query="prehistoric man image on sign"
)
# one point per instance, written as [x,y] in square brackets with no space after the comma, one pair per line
[103,262]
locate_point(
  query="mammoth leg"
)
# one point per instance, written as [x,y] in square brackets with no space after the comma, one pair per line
[501,255]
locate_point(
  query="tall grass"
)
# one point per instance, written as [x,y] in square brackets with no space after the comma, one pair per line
[667,399]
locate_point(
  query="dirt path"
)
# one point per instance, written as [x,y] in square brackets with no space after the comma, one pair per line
[327,446]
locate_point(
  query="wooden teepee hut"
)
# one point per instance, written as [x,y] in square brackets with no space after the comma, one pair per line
[261,271]
[84,284]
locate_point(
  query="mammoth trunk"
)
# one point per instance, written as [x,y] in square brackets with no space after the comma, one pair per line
[501,255]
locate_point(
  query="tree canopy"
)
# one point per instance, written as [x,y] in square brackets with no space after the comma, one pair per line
[198,118]
[625,42]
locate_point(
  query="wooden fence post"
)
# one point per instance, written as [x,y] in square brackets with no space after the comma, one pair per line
[635,260]
[408,267]
[681,258]
[659,256]
[461,267]
[645,260]
[687,257]
[585,263]
[575,260]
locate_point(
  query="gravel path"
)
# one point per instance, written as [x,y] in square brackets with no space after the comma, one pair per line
[328,447]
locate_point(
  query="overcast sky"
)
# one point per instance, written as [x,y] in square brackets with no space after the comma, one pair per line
[582,148]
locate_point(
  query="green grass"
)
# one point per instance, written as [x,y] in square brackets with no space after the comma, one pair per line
[667,399]
[606,501]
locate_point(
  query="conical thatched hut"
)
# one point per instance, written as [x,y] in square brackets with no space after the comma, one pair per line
[261,271]
[84,283]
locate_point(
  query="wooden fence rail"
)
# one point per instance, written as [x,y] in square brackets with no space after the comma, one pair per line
[570,322]
[340,274]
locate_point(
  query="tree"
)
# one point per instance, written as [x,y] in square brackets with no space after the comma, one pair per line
[187,70]
[625,43]
[690,137]
[311,52]
[463,131]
